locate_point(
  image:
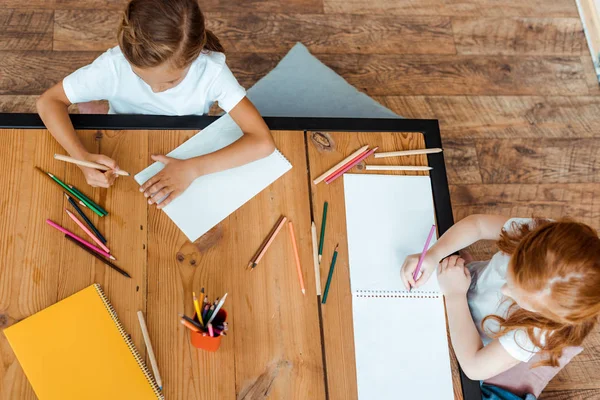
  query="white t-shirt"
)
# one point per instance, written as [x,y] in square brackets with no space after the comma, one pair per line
[111,78]
[485,299]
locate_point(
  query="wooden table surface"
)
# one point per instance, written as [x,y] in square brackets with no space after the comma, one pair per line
[274,348]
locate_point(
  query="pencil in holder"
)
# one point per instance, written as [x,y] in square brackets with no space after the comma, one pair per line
[202,340]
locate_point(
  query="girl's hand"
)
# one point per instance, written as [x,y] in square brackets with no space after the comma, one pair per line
[408,269]
[96,178]
[174,178]
[453,277]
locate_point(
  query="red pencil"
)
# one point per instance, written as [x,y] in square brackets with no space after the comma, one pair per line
[350,162]
[349,166]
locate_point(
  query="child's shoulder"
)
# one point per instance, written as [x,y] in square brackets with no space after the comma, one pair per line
[211,59]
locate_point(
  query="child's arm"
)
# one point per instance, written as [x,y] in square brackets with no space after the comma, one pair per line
[477,362]
[256,143]
[462,234]
[52,107]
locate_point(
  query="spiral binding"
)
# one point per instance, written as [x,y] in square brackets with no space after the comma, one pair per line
[416,294]
[283,157]
[130,344]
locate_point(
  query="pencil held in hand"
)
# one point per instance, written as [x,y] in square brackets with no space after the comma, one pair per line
[88,164]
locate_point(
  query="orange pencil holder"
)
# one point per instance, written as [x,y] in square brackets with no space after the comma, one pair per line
[202,340]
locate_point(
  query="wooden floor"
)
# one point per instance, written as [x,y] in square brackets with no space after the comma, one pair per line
[511,82]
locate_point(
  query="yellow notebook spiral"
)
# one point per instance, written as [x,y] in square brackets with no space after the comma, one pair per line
[127,340]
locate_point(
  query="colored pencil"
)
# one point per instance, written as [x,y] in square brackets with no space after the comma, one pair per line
[322,237]
[348,167]
[211,333]
[149,348]
[191,321]
[297,257]
[80,240]
[104,260]
[351,162]
[408,153]
[331,170]
[70,190]
[205,312]
[422,257]
[87,231]
[210,312]
[188,325]
[331,268]
[267,242]
[217,308]
[397,168]
[87,164]
[313,231]
[85,218]
[197,308]
[88,200]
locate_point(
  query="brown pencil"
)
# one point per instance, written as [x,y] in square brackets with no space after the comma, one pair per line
[88,164]
[267,242]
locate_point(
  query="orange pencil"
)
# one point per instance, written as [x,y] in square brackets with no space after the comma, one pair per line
[291,228]
[188,325]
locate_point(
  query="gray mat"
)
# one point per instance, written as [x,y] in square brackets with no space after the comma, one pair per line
[302,86]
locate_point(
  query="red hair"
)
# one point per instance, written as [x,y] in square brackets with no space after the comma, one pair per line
[561,262]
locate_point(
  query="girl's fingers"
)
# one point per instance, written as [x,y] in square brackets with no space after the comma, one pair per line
[443,264]
[154,189]
[149,183]
[423,278]
[160,195]
[460,262]
[452,260]
[169,199]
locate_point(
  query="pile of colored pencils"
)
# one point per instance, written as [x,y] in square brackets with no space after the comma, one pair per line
[207,319]
[100,250]
[345,165]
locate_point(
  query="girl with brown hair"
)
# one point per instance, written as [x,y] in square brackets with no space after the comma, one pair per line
[166,63]
[539,294]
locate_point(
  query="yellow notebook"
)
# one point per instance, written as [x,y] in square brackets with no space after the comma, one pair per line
[77,349]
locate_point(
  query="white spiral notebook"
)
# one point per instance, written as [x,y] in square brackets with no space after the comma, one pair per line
[211,198]
[399,337]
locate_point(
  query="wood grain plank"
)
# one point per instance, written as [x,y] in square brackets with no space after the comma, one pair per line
[124,228]
[541,161]
[337,313]
[85,30]
[34,72]
[243,6]
[592,394]
[462,164]
[534,8]
[503,117]
[287,344]
[28,273]
[577,200]
[267,33]
[508,36]
[460,75]
[272,325]
[25,29]
[17,104]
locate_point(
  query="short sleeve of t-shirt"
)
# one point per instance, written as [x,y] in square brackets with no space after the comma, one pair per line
[518,344]
[96,81]
[226,90]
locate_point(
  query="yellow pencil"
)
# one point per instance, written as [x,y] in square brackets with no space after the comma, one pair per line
[197,307]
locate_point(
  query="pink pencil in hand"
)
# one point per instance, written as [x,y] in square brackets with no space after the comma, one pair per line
[86,230]
[80,240]
[422,257]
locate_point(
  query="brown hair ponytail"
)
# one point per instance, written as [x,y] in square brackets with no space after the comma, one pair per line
[153,32]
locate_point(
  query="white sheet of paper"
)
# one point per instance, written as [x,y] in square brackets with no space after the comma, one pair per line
[211,198]
[401,349]
[388,217]
[400,338]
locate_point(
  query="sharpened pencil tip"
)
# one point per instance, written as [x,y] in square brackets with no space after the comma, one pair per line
[113,258]
[304,292]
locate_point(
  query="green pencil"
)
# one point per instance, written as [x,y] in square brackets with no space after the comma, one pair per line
[335,253]
[102,210]
[321,239]
[68,189]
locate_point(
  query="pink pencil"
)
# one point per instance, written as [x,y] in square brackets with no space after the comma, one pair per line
[80,240]
[418,269]
[350,162]
[349,166]
[86,230]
